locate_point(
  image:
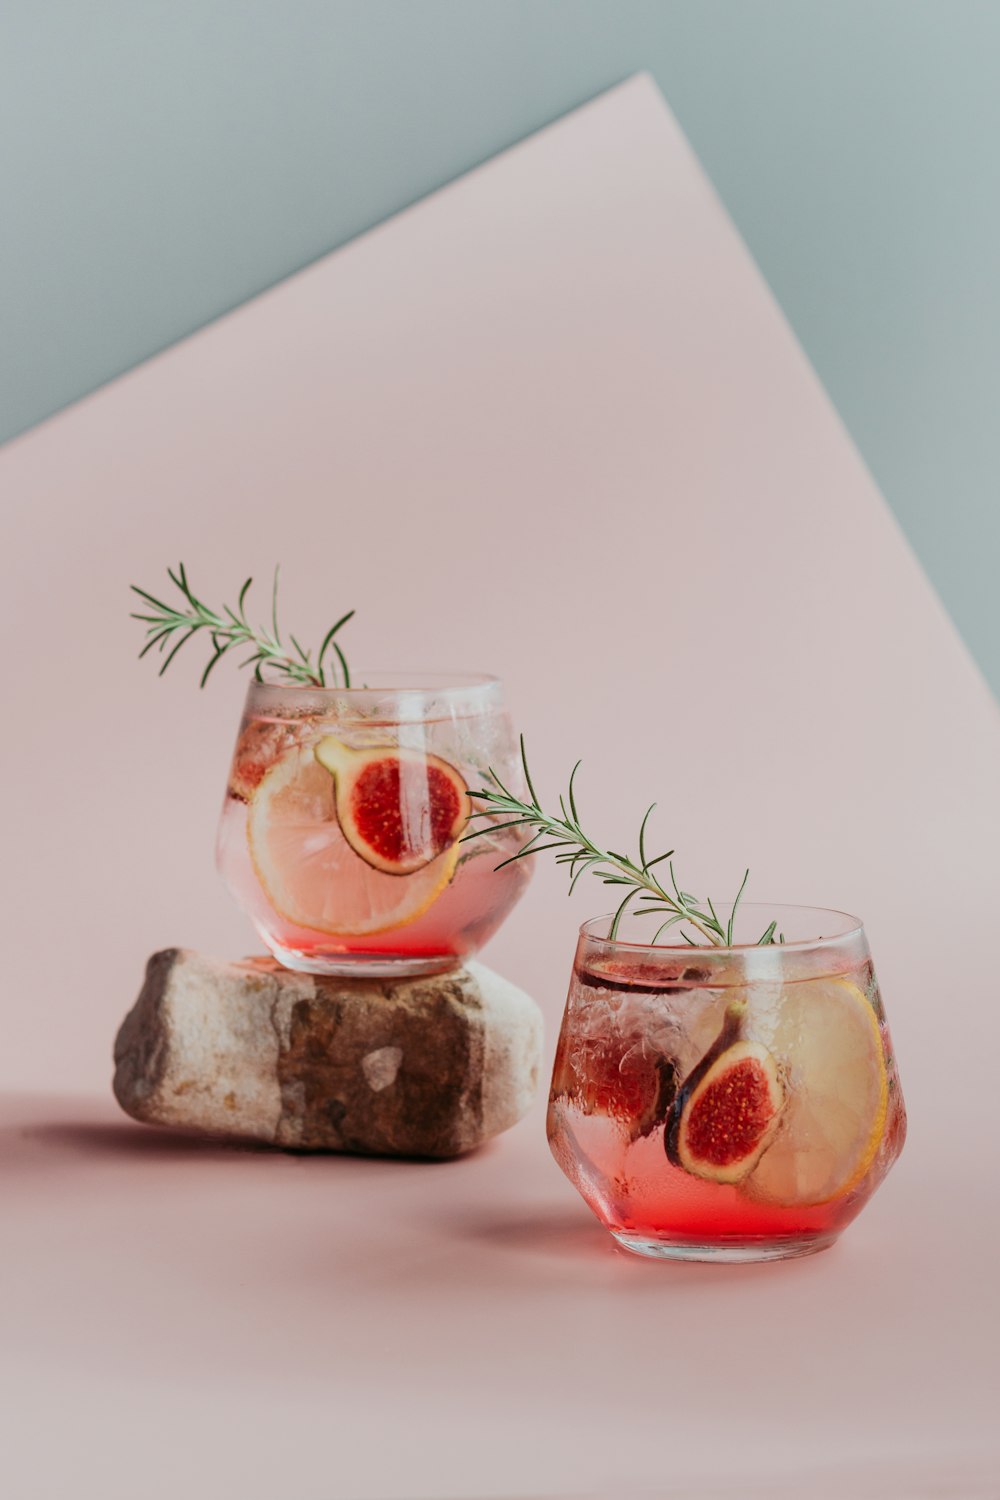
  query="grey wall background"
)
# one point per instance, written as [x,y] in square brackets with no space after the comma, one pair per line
[164,160]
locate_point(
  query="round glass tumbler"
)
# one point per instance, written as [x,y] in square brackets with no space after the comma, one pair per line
[344,812]
[727,1104]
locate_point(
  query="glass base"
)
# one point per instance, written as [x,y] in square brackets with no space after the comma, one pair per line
[735,1251]
[362,965]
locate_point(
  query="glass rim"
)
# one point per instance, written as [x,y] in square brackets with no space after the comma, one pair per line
[397,699]
[427,684]
[851,929]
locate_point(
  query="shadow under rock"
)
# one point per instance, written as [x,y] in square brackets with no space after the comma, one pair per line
[84,1138]
[135,1141]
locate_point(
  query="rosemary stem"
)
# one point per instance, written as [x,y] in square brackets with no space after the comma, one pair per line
[580,853]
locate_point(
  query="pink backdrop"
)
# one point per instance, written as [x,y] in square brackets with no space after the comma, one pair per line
[548,423]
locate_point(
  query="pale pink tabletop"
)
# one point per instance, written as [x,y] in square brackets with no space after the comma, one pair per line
[179,1319]
[548,423]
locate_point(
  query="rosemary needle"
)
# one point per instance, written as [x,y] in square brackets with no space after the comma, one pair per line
[170,626]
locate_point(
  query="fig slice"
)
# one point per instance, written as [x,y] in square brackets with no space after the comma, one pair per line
[727,1110]
[260,744]
[397,808]
[632,1088]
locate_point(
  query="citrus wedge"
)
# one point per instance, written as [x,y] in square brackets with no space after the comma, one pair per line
[826,1038]
[310,873]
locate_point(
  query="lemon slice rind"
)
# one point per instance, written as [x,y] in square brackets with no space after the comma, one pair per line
[836,1114]
[309,824]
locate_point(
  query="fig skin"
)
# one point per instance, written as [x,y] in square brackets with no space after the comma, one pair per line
[727,1052]
[666,1091]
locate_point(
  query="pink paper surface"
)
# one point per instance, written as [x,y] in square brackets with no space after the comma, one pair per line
[202,1322]
[548,423]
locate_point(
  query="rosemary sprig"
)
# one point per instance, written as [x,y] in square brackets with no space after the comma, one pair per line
[579,854]
[168,624]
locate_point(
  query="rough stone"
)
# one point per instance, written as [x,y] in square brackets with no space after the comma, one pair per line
[412,1067]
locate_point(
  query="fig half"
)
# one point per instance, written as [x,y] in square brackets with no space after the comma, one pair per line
[398,809]
[727,1110]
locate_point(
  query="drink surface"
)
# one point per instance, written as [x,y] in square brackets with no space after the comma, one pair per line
[340,837]
[695,1106]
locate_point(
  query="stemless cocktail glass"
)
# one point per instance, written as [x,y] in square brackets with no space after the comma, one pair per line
[340,834]
[730,1104]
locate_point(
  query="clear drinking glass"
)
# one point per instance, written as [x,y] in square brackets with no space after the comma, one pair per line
[340,833]
[727,1104]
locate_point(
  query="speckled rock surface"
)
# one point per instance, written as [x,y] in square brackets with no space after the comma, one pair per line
[414,1067]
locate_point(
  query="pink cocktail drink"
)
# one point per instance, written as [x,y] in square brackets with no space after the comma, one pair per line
[738,1104]
[341,834]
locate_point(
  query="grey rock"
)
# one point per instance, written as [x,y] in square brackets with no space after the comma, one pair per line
[411,1067]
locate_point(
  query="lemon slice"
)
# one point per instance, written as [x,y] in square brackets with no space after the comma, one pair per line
[310,873]
[826,1037]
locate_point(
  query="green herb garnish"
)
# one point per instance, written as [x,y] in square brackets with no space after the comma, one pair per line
[231,628]
[580,854]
